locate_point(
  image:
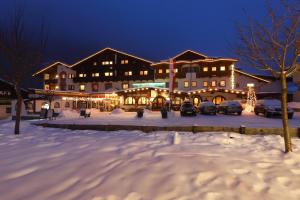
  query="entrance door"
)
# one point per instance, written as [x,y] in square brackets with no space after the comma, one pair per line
[158,103]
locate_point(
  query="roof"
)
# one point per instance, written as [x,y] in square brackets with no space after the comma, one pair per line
[252,76]
[108,48]
[275,87]
[190,53]
[50,66]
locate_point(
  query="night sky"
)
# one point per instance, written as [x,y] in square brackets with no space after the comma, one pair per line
[152,29]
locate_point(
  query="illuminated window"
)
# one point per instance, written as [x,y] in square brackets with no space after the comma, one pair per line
[143,73]
[205,83]
[167,71]
[82,75]
[143,101]
[223,83]
[70,76]
[108,73]
[63,76]
[129,101]
[82,87]
[186,84]
[57,87]
[194,84]
[46,76]
[176,70]
[46,87]
[214,69]
[214,83]
[205,69]
[95,74]
[125,86]
[124,61]
[222,68]
[160,71]
[107,62]
[95,63]
[56,76]
[218,99]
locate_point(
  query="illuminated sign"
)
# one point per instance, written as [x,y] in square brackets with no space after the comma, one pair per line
[143,85]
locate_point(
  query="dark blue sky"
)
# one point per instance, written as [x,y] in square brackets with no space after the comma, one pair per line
[153,29]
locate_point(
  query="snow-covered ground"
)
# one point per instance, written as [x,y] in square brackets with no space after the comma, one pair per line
[153,118]
[48,164]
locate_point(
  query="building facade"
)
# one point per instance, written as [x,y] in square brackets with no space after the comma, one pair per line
[111,78]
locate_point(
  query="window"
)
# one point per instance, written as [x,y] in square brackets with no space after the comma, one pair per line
[82,87]
[205,69]
[129,73]
[108,86]
[46,87]
[205,83]
[214,83]
[67,105]
[57,87]
[160,71]
[95,87]
[186,84]
[63,76]
[129,101]
[143,101]
[194,83]
[218,99]
[95,74]
[222,83]
[214,69]
[176,70]
[82,75]
[125,86]
[46,76]
[95,63]
[222,68]
[108,73]
[107,62]
[56,76]
[71,87]
[124,61]
[70,76]
[167,71]
[143,73]
[56,105]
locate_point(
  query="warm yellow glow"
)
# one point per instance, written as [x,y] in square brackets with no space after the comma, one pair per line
[49,66]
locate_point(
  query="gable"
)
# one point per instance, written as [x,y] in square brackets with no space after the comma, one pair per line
[189,55]
[50,67]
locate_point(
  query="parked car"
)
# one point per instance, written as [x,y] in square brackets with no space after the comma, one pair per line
[207,107]
[270,108]
[230,107]
[187,108]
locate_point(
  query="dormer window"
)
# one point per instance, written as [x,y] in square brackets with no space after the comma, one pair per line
[222,68]
[160,71]
[205,69]
[214,69]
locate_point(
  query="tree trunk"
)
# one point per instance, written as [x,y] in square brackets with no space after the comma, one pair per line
[286,134]
[18,110]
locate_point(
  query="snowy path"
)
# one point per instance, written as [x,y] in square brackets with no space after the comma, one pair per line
[154,119]
[49,164]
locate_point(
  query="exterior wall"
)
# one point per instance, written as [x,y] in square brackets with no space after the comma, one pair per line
[241,82]
[3,111]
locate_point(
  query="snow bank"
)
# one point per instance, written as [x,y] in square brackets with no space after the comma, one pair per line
[69,114]
[46,164]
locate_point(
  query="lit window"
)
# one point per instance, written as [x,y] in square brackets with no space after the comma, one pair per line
[143,73]
[46,76]
[82,75]
[167,71]
[70,76]
[63,76]
[205,69]
[107,62]
[205,83]
[46,87]
[194,84]
[82,87]
[129,101]
[95,63]
[110,62]
[57,87]
[176,70]
[124,61]
[130,73]
[222,68]
[108,73]
[160,71]
[214,83]
[214,69]
[222,83]
[125,86]
[143,101]
[95,74]
[186,84]
[56,76]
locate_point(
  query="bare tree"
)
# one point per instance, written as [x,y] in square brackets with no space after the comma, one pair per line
[22,50]
[273,45]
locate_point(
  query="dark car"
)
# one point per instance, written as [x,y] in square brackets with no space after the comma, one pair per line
[230,107]
[187,108]
[270,108]
[207,107]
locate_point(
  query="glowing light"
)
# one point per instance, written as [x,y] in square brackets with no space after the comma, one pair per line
[232,77]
